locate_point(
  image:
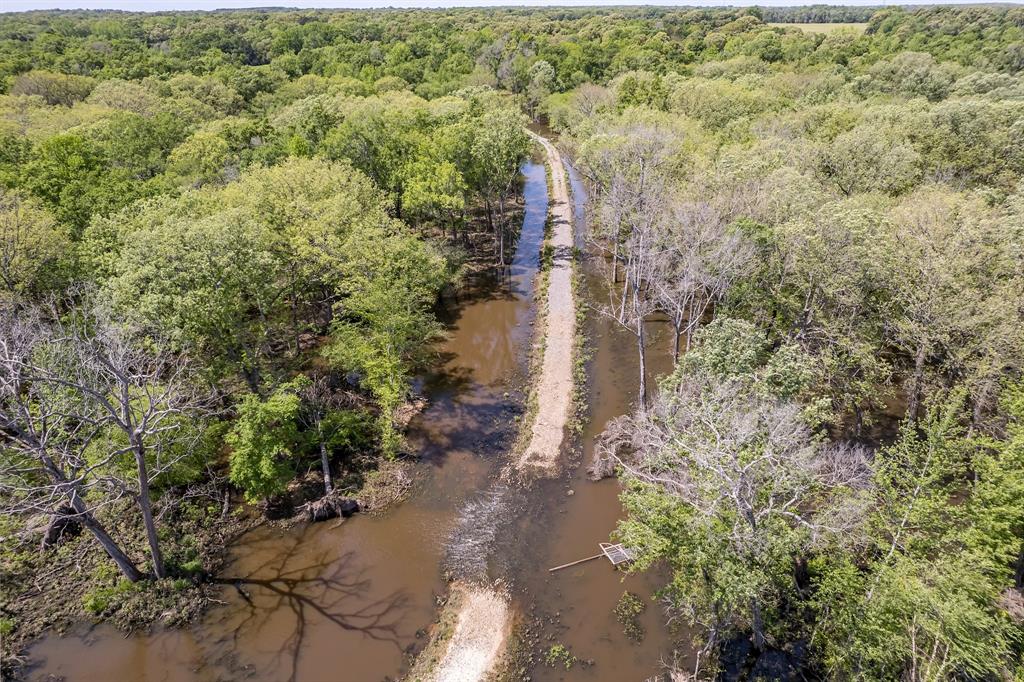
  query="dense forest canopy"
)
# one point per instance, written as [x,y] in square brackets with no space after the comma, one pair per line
[223,237]
[837,242]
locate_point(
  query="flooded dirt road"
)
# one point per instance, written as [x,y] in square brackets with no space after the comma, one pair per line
[322,603]
[568,517]
[327,603]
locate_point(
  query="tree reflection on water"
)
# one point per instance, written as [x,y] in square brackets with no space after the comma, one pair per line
[289,592]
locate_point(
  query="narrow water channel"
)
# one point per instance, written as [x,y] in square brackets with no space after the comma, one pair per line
[323,602]
[568,517]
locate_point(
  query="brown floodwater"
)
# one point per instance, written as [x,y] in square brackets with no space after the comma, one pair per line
[574,607]
[329,602]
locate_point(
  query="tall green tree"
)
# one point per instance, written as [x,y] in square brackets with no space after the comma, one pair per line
[265,443]
[927,606]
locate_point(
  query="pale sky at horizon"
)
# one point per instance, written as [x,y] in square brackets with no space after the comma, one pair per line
[170,5]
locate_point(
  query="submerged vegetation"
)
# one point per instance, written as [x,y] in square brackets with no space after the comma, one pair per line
[224,237]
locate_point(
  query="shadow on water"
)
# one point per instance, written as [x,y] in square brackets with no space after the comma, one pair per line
[328,602]
[306,594]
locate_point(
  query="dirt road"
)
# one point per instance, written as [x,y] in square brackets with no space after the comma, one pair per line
[554,387]
[482,619]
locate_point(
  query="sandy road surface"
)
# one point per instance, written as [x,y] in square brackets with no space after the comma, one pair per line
[483,618]
[554,387]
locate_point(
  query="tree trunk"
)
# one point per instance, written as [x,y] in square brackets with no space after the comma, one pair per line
[63,524]
[501,245]
[126,565]
[250,372]
[295,322]
[1018,576]
[914,399]
[757,624]
[981,399]
[326,465]
[615,261]
[501,228]
[641,343]
[86,518]
[490,218]
[146,506]
[677,325]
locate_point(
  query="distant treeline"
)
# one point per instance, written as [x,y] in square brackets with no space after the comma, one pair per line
[816,14]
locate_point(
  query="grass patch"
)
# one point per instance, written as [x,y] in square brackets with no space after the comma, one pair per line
[559,656]
[823,28]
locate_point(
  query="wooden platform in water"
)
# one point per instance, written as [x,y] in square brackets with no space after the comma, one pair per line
[617,554]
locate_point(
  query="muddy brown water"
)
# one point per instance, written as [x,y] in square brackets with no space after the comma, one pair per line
[338,603]
[574,607]
[325,602]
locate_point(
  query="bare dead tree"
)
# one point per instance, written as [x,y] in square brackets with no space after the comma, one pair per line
[86,392]
[745,467]
[630,165]
[589,99]
[46,435]
[636,301]
[697,262]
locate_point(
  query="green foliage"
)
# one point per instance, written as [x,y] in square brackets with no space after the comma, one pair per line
[348,431]
[641,89]
[729,347]
[558,656]
[181,452]
[929,598]
[627,612]
[99,600]
[201,159]
[913,74]
[862,160]
[386,322]
[54,88]
[35,250]
[70,175]
[264,443]
[201,280]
